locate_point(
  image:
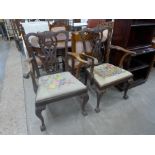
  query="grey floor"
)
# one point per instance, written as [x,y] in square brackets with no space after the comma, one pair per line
[4,49]
[12,105]
[118,116]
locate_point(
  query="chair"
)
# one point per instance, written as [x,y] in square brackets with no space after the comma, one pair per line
[104,75]
[61,25]
[18,32]
[56,85]
[95,22]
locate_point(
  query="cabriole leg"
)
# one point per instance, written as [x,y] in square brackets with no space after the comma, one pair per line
[127,84]
[85,98]
[99,95]
[38,111]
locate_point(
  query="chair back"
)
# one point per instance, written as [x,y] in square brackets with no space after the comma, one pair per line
[107,28]
[92,42]
[59,25]
[46,50]
[77,43]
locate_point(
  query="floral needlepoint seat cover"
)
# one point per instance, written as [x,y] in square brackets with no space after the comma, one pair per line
[58,85]
[106,74]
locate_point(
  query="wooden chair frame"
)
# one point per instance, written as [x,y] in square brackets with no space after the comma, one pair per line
[49,57]
[108,47]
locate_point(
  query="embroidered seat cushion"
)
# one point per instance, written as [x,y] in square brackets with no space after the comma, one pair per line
[106,74]
[58,85]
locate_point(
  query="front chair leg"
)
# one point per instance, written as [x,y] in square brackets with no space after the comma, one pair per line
[85,100]
[38,111]
[99,95]
[127,84]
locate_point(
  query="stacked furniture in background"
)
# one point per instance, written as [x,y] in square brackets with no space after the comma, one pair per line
[135,35]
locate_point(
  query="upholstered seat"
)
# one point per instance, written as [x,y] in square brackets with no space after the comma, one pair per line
[106,74]
[58,85]
[61,28]
[61,44]
[58,28]
[54,86]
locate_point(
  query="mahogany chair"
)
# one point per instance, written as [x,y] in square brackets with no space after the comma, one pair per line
[17,32]
[102,74]
[57,85]
[61,25]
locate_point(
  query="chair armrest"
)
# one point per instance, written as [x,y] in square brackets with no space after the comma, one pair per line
[77,57]
[122,49]
[126,54]
[89,57]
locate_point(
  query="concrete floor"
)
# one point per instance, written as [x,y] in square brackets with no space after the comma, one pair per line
[12,105]
[4,50]
[133,116]
[118,116]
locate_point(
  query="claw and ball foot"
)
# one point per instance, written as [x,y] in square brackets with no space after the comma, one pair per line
[97,109]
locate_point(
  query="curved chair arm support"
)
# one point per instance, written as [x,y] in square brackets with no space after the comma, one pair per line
[77,57]
[92,65]
[126,53]
[122,49]
[88,56]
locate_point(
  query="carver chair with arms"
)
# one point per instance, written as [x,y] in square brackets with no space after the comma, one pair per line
[55,85]
[104,74]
